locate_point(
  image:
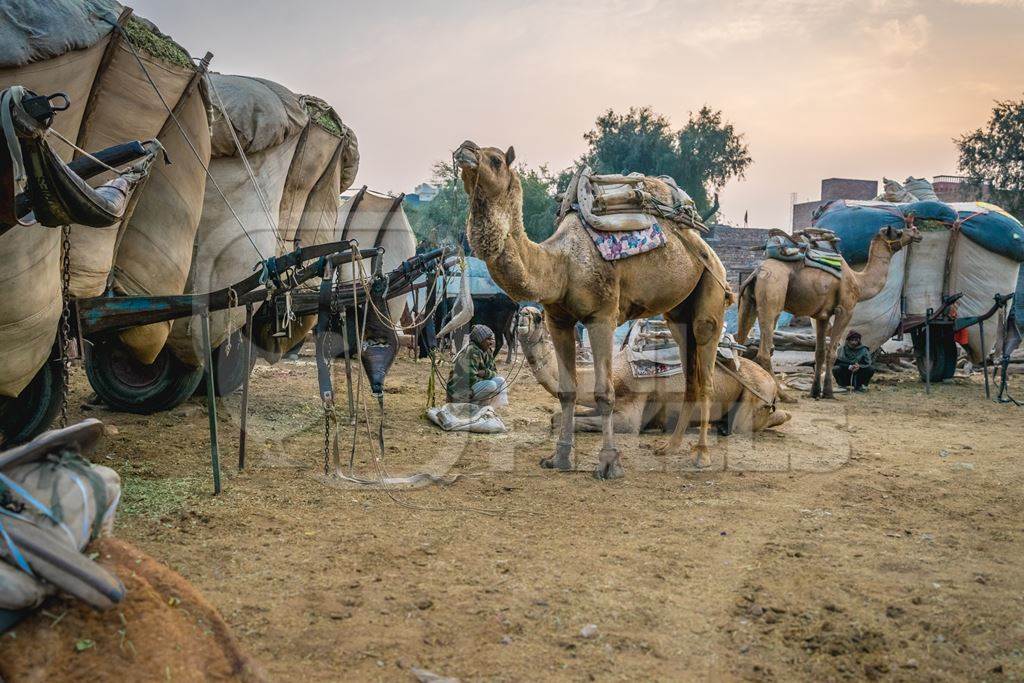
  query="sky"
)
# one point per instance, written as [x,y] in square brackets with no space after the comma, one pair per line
[833,88]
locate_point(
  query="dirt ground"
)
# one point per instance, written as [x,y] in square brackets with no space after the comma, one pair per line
[879,535]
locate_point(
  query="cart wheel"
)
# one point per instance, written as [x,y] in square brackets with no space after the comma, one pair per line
[943,352]
[33,411]
[125,384]
[228,371]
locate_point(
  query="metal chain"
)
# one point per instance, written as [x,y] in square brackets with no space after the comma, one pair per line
[327,438]
[64,330]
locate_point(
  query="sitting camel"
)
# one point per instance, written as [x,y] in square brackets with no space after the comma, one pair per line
[802,290]
[652,402]
[683,279]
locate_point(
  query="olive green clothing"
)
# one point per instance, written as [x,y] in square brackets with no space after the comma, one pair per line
[471,365]
[858,356]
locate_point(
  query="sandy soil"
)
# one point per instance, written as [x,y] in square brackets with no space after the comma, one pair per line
[877,536]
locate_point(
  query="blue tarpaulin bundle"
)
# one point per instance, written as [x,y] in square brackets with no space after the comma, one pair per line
[857,223]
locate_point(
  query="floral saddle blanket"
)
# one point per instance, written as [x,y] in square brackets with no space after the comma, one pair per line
[614,246]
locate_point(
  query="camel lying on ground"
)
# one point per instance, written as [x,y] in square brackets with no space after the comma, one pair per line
[163,630]
[643,403]
[792,286]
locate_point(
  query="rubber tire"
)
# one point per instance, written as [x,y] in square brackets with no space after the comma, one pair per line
[34,410]
[125,384]
[228,372]
[943,350]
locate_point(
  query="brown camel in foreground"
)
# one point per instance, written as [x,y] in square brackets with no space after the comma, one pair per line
[568,276]
[802,290]
[653,402]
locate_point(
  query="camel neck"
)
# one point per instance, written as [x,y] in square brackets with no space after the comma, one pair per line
[540,355]
[524,269]
[875,273]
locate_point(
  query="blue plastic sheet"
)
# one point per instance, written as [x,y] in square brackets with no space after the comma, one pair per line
[857,223]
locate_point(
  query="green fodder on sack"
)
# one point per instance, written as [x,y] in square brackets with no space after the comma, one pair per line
[144,36]
[927,225]
[322,116]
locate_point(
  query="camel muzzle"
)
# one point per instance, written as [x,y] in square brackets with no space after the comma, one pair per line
[467,155]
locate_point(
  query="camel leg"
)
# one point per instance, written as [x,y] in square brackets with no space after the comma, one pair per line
[820,329]
[625,419]
[601,334]
[564,340]
[840,320]
[746,313]
[770,299]
[704,311]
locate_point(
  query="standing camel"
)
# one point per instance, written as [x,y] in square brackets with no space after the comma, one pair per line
[792,286]
[684,280]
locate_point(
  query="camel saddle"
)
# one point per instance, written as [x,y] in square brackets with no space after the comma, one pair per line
[623,215]
[815,247]
[651,350]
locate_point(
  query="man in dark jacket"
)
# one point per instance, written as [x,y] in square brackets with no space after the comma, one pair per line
[474,378]
[853,363]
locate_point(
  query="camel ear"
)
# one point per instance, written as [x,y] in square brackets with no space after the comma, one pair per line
[510,155]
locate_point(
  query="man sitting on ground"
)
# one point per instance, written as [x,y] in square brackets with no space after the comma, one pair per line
[853,363]
[474,378]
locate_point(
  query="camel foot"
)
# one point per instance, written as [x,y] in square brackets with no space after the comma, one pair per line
[561,460]
[828,394]
[609,465]
[815,392]
[701,457]
[786,396]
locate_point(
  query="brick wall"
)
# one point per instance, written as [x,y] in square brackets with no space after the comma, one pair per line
[802,214]
[733,247]
[848,188]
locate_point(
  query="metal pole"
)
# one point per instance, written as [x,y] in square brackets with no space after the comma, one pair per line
[928,352]
[348,366]
[211,404]
[246,362]
[984,357]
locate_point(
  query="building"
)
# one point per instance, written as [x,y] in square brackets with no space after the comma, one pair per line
[426,192]
[951,188]
[831,189]
[740,249]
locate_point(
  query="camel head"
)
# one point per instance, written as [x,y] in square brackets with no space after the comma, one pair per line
[486,171]
[530,328]
[896,238]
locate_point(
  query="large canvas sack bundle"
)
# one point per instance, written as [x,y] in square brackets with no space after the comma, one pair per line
[985,260]
[325,163]
[267,120]
[378,220]
[319,153]
[45,47]
[156,248]
[124,105]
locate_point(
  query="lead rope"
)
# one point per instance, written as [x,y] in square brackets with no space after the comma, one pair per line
[64,331]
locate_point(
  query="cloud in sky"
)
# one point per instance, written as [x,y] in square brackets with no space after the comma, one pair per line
[821,88]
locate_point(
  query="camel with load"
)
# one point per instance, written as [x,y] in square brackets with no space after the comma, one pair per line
[683,279]
[828,299]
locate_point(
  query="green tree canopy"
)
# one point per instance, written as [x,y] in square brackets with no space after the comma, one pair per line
[995,155]
[444,218]
[702,156]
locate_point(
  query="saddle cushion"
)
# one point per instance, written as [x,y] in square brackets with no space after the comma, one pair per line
[619,245]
